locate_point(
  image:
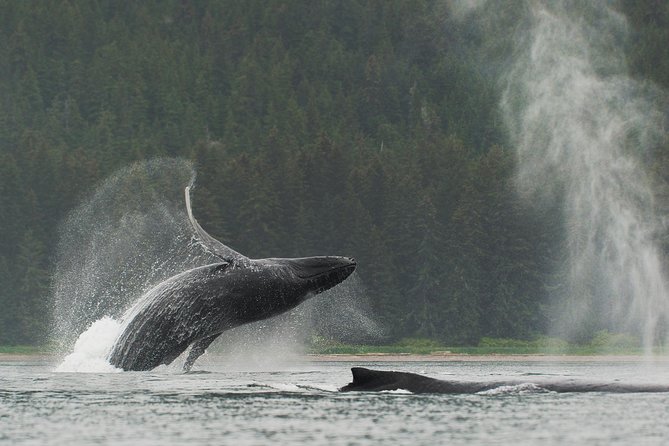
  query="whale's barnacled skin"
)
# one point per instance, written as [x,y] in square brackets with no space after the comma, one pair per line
[194,307]
[377,380]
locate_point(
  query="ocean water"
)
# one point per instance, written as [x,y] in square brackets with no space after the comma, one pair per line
[297,402]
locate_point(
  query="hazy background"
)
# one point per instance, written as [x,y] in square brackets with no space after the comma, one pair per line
[498,169]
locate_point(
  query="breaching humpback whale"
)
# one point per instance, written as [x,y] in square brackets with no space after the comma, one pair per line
[193,308]
[367,380]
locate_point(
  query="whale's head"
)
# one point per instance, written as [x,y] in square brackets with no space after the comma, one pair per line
[296,279]
[261,288]
[318,274]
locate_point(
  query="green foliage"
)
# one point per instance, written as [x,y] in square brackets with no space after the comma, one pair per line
[356,128]
[22,349]
[648,52]
[606,341]
[602,343]
[418,344]
[540,344]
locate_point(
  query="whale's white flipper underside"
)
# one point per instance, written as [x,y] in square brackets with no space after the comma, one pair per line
[209,243]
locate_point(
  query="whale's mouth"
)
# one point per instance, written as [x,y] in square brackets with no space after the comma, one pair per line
[322,273]
[346,270]
[325,281]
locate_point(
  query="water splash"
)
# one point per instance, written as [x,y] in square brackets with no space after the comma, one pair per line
[91,349]
[132,234]
[582,126]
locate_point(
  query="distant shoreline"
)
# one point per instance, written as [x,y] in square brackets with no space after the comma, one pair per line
[25,356]
[412,357]
[489,357]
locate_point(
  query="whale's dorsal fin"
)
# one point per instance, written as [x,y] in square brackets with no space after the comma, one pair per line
[370,380]
[363,376]
[209,243]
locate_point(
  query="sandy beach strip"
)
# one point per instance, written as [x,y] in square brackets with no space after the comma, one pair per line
[457,357]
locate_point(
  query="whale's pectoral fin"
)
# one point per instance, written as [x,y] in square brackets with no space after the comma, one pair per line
[197,349]
[208,242]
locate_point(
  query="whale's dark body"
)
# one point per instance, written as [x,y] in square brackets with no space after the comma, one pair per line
[193,308]
[367,380]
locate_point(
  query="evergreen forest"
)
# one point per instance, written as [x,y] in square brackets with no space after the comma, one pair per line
[363,128]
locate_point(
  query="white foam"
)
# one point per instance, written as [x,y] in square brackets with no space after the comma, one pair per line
[321,387]
[284,387]
[516,388]
[92,348]
[398,392]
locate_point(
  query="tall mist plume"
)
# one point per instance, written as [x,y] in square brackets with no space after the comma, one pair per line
[581,127]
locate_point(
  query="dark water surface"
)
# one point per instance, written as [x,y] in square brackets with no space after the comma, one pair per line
[298,403]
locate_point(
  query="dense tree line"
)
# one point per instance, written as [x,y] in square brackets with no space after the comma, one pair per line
[364,128]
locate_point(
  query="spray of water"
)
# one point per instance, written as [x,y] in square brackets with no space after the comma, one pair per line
[581,127]
[341,313]
[134,233]
[129,235]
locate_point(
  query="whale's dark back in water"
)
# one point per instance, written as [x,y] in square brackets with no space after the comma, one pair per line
[193,308]
[367,380]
